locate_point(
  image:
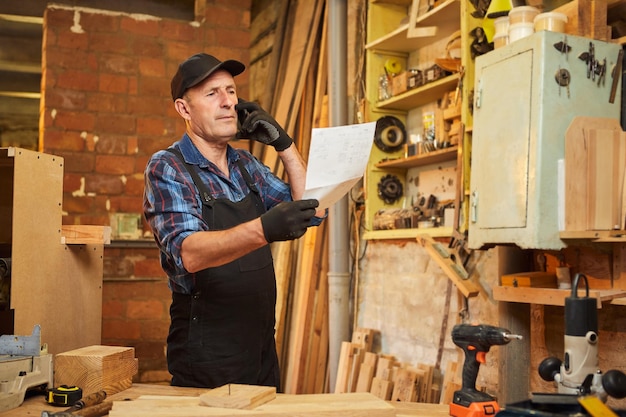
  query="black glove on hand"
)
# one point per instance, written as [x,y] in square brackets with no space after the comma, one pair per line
[288,220]
[257,124]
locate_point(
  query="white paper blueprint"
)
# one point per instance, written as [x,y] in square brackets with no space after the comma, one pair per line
[337,160]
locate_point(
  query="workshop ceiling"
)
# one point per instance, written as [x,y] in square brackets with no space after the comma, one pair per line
[20,49]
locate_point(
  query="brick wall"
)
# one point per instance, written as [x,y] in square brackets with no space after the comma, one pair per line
[106,107]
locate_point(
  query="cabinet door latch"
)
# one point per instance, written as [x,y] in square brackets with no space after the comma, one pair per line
[473,204]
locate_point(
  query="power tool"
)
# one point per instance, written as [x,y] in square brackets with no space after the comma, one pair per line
[476,340]
[578,374]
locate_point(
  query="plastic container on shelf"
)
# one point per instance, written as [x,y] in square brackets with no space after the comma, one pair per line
[552,21]
[522,14]
[500,40]
[520,30]
[501,25]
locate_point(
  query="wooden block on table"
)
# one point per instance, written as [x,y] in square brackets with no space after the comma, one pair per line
[245,397]
[95,368]
[535,279]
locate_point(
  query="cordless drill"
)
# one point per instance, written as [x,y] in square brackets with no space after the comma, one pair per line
[476,340]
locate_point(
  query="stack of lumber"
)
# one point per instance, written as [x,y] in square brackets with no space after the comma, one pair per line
[237,400]
[361,370]
[96,368]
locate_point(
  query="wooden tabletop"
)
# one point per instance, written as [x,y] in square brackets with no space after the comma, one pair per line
[33,406]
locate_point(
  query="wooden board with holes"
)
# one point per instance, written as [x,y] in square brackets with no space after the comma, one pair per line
[595,160]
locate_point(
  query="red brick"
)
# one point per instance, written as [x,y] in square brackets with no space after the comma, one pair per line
[108,42]
[148,268]
[154,86]
[77,80]
[69,58]
[152,67]
[78,204]
[54,17]
[104,184]
[119,267]
[140,163]
[78,161]
[65,99]
[65,140]
[150,126]
[71,40]
[149,145]
[144,309]
[180,51]
[175,30]
[126,204]
[106,103]
[156,330]
[98,22]
[134,185]
[131,148]
[226,16]
[72,120]
[154,107]
[112,144]
[112,83]
[146,47]
[115,123]
[121,330]
[113,309]
[114,164]
[118,64]
[72,181]
[234,38]
[147,26]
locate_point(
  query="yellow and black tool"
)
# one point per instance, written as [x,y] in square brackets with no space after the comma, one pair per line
[64,395]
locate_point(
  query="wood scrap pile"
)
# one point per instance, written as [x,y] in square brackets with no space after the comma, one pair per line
[361,370]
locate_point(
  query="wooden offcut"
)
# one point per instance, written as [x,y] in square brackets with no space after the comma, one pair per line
[95,368]
[595,165]
[245,397]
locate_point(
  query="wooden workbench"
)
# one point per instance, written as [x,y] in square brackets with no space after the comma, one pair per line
[35,405]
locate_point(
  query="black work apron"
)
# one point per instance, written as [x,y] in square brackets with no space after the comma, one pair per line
[223,332]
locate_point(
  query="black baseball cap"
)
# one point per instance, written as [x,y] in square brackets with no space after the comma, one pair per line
[196,68]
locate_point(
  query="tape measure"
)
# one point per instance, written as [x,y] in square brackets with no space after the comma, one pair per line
[64,395]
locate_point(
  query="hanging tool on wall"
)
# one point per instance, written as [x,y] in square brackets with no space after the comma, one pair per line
[476,340]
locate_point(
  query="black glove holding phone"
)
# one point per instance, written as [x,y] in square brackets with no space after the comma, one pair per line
[257,124]
[288,220]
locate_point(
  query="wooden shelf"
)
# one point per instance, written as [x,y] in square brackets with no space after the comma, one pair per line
[434,157]
[425,94]
[407,233]
[608,236]
[438,23]
[551,296]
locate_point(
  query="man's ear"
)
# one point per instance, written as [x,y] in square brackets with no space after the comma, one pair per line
[182,108]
